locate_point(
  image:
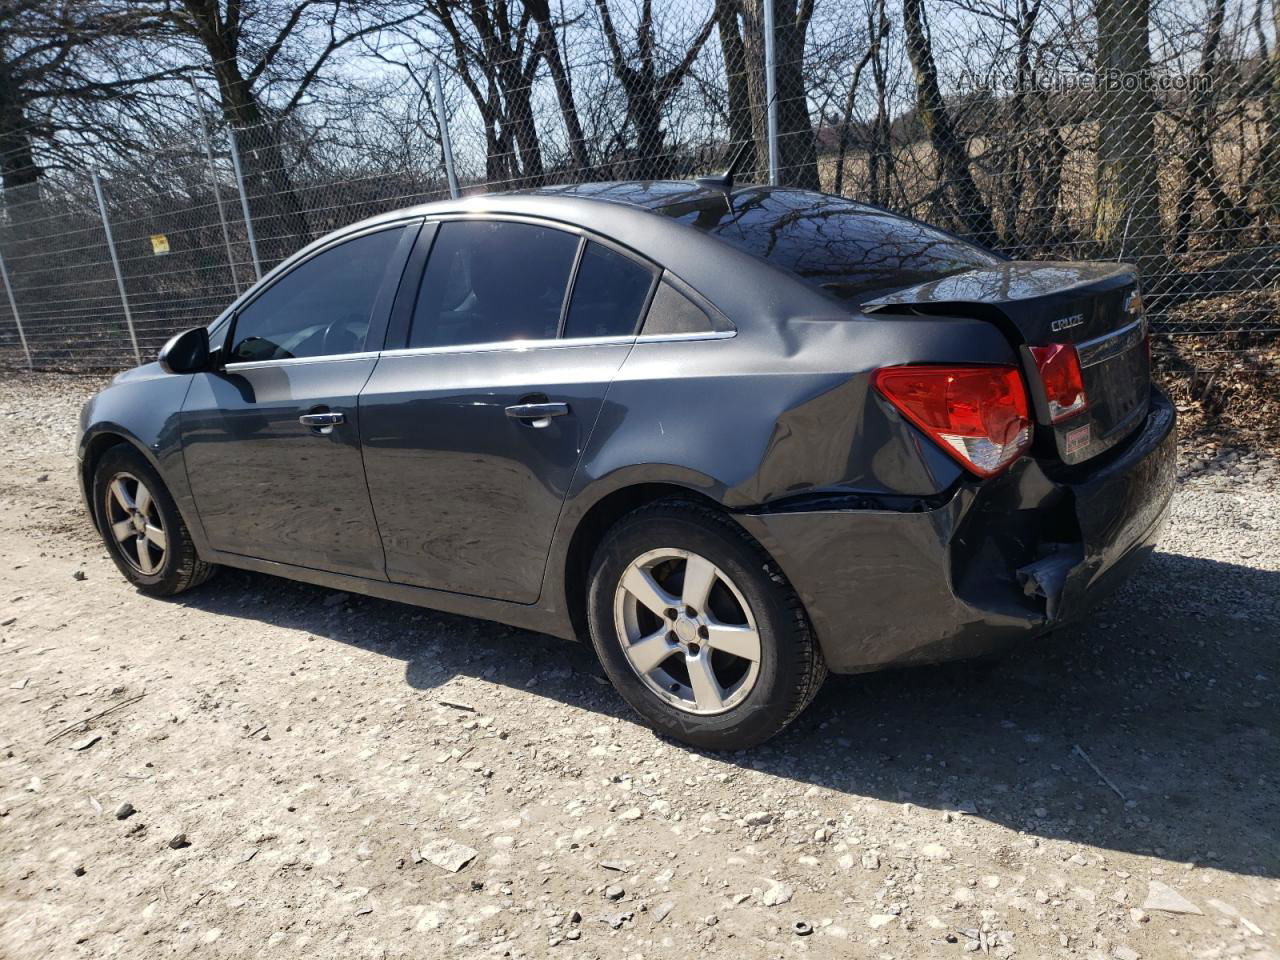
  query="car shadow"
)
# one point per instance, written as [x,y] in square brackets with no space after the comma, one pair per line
[1150,729]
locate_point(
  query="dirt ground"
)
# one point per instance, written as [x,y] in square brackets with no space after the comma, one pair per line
[296,760]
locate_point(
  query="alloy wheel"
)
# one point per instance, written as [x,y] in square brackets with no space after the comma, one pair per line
[687,631]
[133,517]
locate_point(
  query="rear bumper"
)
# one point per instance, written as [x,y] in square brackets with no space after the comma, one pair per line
[999,562]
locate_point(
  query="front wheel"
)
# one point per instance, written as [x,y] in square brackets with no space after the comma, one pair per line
[141,526]
[698,629]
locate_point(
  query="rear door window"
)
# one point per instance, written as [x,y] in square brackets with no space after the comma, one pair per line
[609,294]
[489,281]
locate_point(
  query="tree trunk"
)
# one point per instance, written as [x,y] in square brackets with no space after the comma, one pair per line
[734,54]
[541,12]
[971,211]
[519,120]
[504,44]
[647,91]
[752,12]
[1264,182]
[797,153]
[279,222]
[1126,220]
[880,147]
[652,162]
[1271,171]
[17,153]
[1045,171]
[1199,169]
[1016,151]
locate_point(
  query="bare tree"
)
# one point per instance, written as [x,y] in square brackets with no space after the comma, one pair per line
[877,33]
[66,69]
[549,44]
[1264,182]
[797,152]
[956,182]
[1200,171]
[492,50]
[1126,218]
[267,59]
[647,87]
[737,85]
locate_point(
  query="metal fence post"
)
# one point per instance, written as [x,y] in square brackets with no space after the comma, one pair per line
[115,262]
[771,89]
[217,191]
[13,305]
[244,204]
[445,140]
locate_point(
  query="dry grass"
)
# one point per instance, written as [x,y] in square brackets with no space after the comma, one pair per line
[1225,388]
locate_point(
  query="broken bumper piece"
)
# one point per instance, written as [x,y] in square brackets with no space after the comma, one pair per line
[998,562]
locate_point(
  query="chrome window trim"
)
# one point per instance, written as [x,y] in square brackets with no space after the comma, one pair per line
[290,361]
[1103,348]
[679,337]
[521,346]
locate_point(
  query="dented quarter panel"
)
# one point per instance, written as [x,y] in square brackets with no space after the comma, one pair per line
[754,419]
[901,587]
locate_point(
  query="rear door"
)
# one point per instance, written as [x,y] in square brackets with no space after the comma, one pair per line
[272,441]
[474,424]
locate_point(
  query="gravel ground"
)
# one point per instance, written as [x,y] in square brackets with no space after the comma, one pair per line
[305,768]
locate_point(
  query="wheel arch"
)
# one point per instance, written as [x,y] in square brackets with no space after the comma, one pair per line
[107,436]
[596,523]
[95,448]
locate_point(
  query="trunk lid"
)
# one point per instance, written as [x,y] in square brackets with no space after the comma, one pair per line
[1093,306]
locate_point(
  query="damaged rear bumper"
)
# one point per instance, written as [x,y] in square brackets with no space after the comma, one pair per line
[997,562]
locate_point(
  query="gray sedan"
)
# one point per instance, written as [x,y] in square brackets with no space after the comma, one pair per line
[736,437]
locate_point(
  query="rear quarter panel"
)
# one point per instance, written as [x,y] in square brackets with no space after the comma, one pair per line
[780,410]
[775,413]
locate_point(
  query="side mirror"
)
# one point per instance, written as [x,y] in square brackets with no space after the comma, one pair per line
[187,352]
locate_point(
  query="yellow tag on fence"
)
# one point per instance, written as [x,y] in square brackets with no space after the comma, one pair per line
[159,244]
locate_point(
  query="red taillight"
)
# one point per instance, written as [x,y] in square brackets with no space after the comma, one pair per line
[1059,367]
[979,415]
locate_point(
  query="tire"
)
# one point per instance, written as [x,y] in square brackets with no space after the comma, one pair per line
[746,702]
[161,563]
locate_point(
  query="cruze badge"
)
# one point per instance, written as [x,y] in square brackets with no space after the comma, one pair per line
[1066,323]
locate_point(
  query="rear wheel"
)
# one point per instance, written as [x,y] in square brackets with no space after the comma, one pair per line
[697,628]
[141,526]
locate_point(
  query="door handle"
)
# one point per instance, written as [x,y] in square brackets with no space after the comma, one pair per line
[322,423]
[537,414]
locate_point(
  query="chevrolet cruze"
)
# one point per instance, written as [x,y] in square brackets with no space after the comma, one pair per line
[736,437]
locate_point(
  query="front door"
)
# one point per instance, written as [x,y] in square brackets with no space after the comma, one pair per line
[272,442]
[473,431]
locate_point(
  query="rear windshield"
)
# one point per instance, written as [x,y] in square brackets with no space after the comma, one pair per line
[846,249]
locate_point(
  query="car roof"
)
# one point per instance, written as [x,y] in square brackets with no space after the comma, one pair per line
[647,194]
[644,216]
[652,218]
[671,199]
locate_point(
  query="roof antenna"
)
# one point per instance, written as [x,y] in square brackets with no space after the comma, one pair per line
[724,181]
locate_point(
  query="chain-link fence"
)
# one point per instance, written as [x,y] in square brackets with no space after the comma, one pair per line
[1143,130]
